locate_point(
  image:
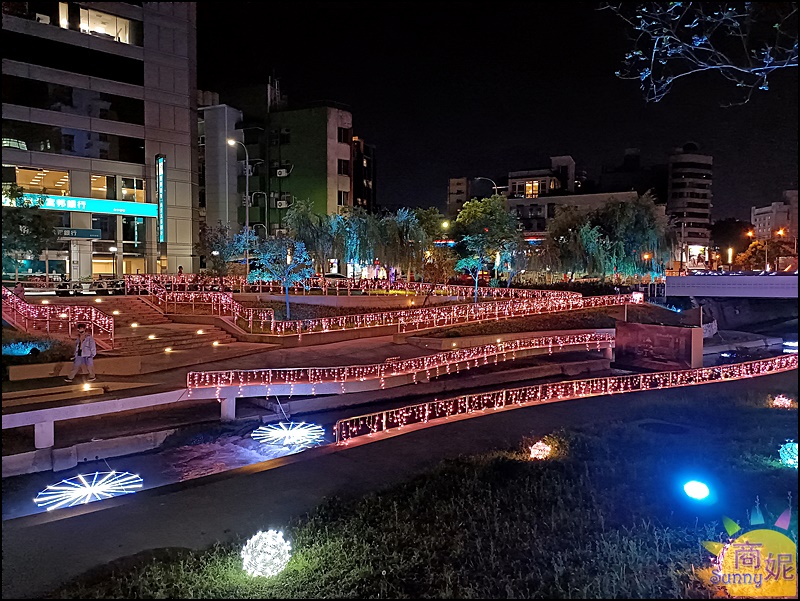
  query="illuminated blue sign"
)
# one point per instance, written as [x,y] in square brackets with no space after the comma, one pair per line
[161,195]
[72,232]
[85,205]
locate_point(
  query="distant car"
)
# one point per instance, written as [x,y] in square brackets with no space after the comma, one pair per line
[106,287]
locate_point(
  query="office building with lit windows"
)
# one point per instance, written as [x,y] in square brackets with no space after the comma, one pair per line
[100,124]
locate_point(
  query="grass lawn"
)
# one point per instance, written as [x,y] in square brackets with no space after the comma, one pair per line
[600,317]
[604,517]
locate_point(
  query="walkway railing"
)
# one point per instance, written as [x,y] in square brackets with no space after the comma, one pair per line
[408,320]
[383,421]
[57,320]
[481,355]
[216,303]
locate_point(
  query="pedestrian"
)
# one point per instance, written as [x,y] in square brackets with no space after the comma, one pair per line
[19,290]
[85,350]
[180,269]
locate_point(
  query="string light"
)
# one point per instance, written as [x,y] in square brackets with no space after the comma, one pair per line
[266,554]
[381,421]
[541,450]
[84,489]
[431,365]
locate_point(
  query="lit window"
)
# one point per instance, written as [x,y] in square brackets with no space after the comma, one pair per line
[532,189]
[133,189]
[42,180]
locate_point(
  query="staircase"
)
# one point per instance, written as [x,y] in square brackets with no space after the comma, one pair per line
[154,331]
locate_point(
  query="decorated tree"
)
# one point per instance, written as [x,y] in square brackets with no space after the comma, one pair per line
[27,229]
[219,247]
[281,260]
[745,42]
[316,231]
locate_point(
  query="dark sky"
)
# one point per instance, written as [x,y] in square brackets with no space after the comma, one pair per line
[480,89]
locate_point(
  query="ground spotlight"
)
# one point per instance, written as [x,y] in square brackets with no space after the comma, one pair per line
[696,490]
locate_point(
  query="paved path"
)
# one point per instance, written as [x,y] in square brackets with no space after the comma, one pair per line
[42,551]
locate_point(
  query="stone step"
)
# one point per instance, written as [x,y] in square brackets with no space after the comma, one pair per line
[162,342]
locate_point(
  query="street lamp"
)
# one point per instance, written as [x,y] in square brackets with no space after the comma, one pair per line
[232,142]
[257,225]
[114,249]
[489,180]
[445,225]
[730,255]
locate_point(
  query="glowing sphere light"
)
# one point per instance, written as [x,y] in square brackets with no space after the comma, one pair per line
[696,490]
[788,452]
[782,401]
[541,450]
[84,489]
[266,554]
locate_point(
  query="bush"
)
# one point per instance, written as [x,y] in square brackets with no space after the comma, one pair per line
[20,348]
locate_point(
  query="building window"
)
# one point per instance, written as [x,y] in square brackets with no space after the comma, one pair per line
[104,187]
[532,189]
[39,181]
[68,142]
[344,136]
[343,167]
[105,26]
[343,197]
[133,189]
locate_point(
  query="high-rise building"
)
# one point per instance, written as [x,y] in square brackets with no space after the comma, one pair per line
[767,220]
[790,198]
[99,116]
[689,195]
[364,176]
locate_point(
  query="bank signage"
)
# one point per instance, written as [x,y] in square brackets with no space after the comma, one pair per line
[85,205]
[73,232]
[161,195]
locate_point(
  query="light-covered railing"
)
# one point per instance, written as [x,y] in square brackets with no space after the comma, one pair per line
[211,303]
[408,320]
[383,421]
[480,355]
[57,320]
[201,283]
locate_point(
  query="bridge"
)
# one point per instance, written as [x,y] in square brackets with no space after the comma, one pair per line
[766,285]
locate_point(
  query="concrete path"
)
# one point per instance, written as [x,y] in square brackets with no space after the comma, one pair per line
[42,551]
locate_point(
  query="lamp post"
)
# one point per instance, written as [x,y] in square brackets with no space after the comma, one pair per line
[266,211]
[232,142]
[114,249]
[257,225]
[494,185]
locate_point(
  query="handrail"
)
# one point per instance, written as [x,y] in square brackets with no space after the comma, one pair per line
[441,409]
[321,375]
[58,319]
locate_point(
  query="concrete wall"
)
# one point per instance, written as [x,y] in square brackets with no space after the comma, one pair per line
[448,344]
[117,366]
[370,303]
[61,459]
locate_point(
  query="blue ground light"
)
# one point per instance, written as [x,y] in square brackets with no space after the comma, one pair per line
[20,349]
[696,490]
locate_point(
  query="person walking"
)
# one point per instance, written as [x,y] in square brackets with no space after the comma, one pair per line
[19,290]
[85,350]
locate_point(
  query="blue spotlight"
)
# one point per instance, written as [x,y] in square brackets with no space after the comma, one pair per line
[696,490]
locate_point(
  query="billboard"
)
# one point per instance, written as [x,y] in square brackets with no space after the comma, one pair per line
[653,346]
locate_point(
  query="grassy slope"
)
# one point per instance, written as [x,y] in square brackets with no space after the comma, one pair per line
[603,519]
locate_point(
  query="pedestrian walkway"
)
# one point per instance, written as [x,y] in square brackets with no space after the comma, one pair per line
[43,551]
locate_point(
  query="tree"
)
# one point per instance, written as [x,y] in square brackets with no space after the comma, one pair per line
[745,42]
[564,242]
[403,238]
[731,233]
[514,257]
[755,259]
[27,229]
[219,247]
[481,228]
[314,230]
[281,260]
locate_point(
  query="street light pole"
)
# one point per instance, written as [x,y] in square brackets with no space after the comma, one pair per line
[232,142]
[489,180]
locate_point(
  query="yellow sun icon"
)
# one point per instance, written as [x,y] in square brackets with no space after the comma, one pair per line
[757,563]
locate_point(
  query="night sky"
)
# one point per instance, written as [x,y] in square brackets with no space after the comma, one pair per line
[464,89]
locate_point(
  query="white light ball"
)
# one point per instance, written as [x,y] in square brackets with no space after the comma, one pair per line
[266,554]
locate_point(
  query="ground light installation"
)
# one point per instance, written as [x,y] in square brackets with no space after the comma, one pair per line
[299,435]
[266,554]
[86,488]
[696,490]
[788,453]
[541,450]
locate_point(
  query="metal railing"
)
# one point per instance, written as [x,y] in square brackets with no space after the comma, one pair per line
[383,421]
[57,320]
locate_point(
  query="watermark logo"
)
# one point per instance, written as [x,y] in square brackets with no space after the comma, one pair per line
[757,563]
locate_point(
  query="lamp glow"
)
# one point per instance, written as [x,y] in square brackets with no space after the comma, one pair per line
[151,337]
[84,489]
[696,490]
[788,453]
[200,331]
[541,450]
[115,312]
[134,325]
[168,349]
[782,401]
[215,343]
[300,435]
[266,554]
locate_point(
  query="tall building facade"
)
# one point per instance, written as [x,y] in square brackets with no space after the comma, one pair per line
[365,193]
[99,121]
[689,195]
[767,220]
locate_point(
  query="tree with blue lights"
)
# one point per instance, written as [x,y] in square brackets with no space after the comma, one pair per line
[745,42]
[281,260]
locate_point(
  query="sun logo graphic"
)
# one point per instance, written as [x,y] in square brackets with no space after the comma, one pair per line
[757,563]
